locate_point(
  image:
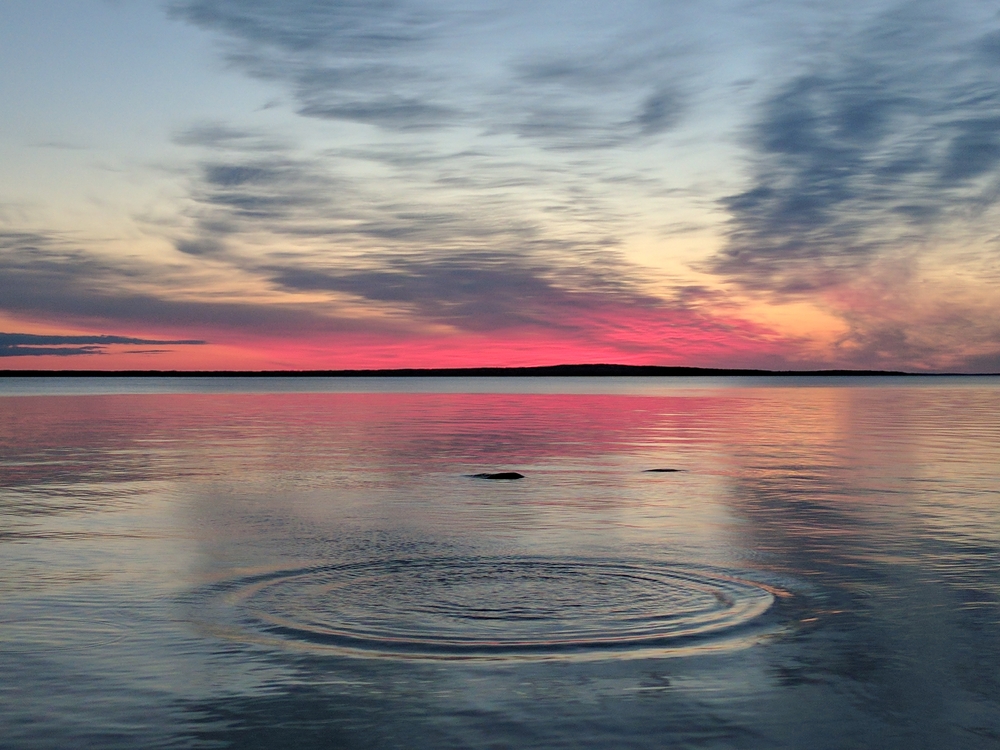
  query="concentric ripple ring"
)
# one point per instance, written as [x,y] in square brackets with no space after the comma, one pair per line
[485,606]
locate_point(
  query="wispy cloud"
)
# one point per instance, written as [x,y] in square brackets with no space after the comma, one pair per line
[344,60]
[615,92]
[403,65]
[870,152]
[489,236]
[35,345]
[484,264]
[875,187]
[50,278]
[390,310]
[474,291]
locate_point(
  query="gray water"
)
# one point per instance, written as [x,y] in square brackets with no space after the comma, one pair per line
[312,563]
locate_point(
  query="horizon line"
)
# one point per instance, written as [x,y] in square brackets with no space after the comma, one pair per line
[563,370]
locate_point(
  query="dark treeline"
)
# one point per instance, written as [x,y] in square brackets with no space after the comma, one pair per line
[597,370]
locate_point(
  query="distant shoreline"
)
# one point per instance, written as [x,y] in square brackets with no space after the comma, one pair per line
[595,370]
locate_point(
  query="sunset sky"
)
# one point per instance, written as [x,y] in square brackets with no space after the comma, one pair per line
[297,184]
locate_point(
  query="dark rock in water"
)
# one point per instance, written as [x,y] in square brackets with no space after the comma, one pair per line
[499,475]
[663,471]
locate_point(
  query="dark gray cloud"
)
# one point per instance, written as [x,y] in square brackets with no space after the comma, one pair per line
[570,124]
[343,59]
[36,345]
[50,278]
[358,27]
[201,246]
[576,101]
[271,189]
[391,112]
[982,363]
[870,152]
[42,351]
[298,198]
[475,291]
[239,192]
[659,112]
[594,72]
[214,135]
[33,339]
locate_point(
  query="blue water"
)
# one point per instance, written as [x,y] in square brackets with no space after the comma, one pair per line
[312,563]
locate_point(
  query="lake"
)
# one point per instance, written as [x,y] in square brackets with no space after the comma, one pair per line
[313,563]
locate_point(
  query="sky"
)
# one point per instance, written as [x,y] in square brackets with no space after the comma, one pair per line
[343,184]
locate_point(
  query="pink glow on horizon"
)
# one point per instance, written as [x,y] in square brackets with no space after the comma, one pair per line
[604,333]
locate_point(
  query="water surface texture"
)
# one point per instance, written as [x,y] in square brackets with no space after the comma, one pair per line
[314,563]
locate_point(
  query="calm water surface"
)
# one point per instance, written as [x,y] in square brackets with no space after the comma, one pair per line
[288,563]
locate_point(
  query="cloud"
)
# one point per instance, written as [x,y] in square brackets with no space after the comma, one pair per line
[357,27]
[49,278]
[481,236]
[620,91]
[401,65]
[443,266]
[31,339]
[571,125]
[298,199]
[474,263]
[481,264]
[343,59]
[659,112]
[884,142]
[391,111]
[262,189]
[475,291]
[215,135]
[927,318]
[42,351]
[984,363]
[35,345]
[399,309]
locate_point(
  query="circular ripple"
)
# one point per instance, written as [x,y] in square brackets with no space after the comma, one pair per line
[494,606]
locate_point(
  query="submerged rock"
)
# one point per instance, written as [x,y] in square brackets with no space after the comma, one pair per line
[499,475]
[662,471]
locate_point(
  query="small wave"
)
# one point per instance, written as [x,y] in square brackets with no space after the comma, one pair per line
[49,632]
[484,607]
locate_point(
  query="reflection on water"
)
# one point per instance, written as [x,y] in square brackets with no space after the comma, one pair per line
[319,569]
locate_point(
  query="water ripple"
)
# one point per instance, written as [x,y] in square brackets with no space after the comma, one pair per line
[485,607]
[48,632]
